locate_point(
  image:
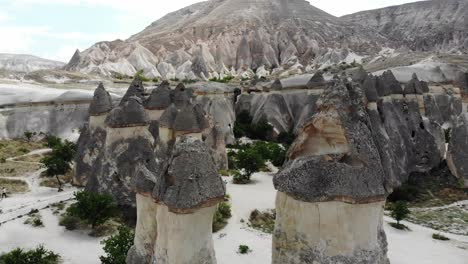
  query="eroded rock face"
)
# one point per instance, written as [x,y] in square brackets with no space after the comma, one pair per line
[457,154]
[333,171]
[92,139]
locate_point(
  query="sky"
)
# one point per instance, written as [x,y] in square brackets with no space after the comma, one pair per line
[54,29]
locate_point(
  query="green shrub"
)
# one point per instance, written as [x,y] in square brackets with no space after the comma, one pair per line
[440,237]
[39,255]
[117,246]
[226,79]
[400,211]
[175,79]
[244,249]
[23,150]
[139,75]
[286,138]
[448,134]
[155,80]
[222,214]
[188,81]
[93,208]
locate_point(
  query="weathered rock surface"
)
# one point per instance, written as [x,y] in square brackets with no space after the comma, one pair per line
[102,102]
[457,154]
[419,25]
[334,173]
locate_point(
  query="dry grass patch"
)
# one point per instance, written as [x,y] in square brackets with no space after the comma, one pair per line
[14,186]
[14,169]
[18,147]
[51,182]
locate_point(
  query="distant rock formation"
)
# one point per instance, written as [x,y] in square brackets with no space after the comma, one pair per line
[457,154]
[27,63]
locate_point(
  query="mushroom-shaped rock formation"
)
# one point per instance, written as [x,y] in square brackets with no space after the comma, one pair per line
[128,144]
[390,84]
[92,137]
[329,205]
[276,85]
[457,155]
[176,206]
[181,95]
[136,89]
[156,104]
[99,107]
[188,119]
[414,86]
[370,88]
[184,233]
[317,81]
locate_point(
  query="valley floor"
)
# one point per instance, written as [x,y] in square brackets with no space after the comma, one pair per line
[405,247]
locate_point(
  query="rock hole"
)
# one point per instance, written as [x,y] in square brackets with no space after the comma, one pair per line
[413,134]
[421,125]
[352,161]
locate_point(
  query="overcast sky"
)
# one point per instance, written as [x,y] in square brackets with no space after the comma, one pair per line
[54,29]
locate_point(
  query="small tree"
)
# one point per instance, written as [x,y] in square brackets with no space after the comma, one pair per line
[93,208]
[400,211]
[250,161]
[28,135]
[58,162]
[117,246]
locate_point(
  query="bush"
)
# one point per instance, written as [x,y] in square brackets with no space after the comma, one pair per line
[244,249]
[286,138]
[224,172]
[243,127]
[39,255]
[139,75]
[400,211]
[53,141]
[70,222]
[264,221]
[222,214]
[440,237]
[93,208]
[117,246]
[249,160]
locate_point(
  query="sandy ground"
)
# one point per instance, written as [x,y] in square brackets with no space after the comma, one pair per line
[415,247]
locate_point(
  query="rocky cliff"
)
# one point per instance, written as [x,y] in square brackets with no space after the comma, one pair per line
[422,26]
[26,63]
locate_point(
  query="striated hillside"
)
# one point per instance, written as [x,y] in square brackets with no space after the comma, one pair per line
[438,25]
[26,63]
[232,37]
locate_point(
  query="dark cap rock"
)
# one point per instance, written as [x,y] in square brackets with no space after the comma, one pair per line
[159,99]
[192,176]
[136,89]
[414,86]
[462,81]
[390,84]
[131,113]
[370,88]
[359,75]
[334,158]
[181,95]
[317,81]
[277,86]
[102,102]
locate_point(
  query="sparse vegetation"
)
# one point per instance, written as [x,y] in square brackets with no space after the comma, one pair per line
[39,255]
[225,79]
[18,147]
[140,75]
[286,138]
[222,214]
[440,237]
[264,221]
[14,186]
[117,246]
[28,135]
[244,249]
[34,219]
